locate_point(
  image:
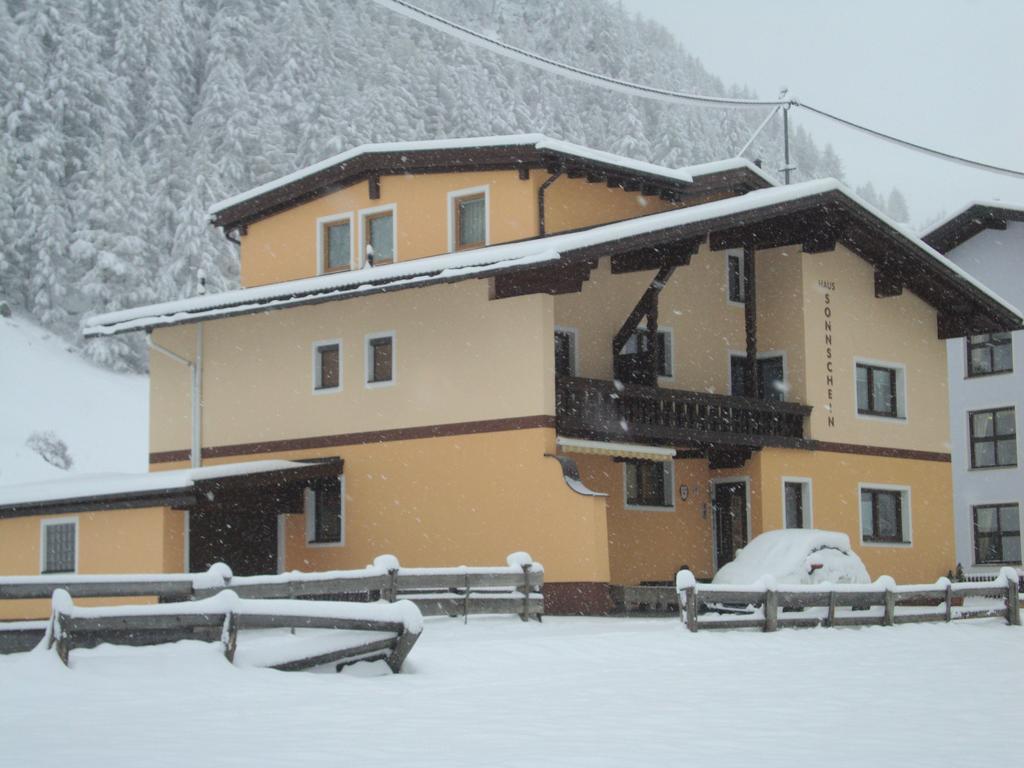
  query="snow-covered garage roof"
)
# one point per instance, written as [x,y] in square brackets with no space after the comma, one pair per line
[924,270]
[522,151]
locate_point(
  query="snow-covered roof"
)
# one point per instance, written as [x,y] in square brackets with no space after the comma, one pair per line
[139,484]
[529,253]
[725,166]
[993,205]
[536,141]
[969,221]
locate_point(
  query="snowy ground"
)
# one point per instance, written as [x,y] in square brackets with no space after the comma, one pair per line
[568,692]
[45,386]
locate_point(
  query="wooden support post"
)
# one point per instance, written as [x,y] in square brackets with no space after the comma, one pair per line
[230,636]
[525,615]
[391,591]
[691,609]
[771,610]
[63,639]
[949,602]
[1012,603]
[830,620]
[890,608]
[750,374]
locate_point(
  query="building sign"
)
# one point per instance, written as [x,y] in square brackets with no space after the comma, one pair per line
[828,287]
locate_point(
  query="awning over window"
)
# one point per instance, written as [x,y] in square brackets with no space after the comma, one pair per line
[620,450]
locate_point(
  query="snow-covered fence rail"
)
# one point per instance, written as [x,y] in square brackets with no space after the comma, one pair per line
[371,632]
[770,607]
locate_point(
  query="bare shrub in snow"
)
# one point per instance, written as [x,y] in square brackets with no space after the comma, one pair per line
[51,448]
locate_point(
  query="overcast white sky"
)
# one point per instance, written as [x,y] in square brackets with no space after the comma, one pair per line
[945,73]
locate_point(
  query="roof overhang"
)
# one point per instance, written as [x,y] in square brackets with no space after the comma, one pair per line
[975,218]
[813,215]
[267,487]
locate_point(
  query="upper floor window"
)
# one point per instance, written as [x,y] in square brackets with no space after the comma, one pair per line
[379,232]
[662,350]
[325,512]
[335,243]
[735,278]
[997,534]
[993,438]
[649,484]
[380,359]
[771,377]
[326,366]
[989,353]
[59,546]
[470,214]
[565,352]
[879,391]
[883,515]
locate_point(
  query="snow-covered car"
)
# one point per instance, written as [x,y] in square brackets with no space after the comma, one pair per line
[796,556]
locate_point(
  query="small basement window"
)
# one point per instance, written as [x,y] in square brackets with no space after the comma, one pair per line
[327,366]
[649,484]
[380,359]
[59,546]
[325,512]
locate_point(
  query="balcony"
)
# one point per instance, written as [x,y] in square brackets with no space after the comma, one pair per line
[595,409]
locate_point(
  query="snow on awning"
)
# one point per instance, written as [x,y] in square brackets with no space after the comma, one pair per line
[619,450]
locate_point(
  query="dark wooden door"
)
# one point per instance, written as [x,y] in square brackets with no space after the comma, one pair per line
[246,542]
[730,520]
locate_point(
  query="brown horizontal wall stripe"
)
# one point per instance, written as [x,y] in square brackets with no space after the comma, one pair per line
[362,438]
[877,450]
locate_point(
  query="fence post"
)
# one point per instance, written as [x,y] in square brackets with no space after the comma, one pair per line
[890,607]
[949,602]
[465,602]
[229,636]
[691,608]
[63,641]
[391,591]
[830,620]
[771,610]
[1012,601]
[525,615]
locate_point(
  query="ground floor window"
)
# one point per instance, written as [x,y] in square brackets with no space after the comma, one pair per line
[997,534]
[649,484]
[59,546]
[884,515]
[796,496]
[325,512]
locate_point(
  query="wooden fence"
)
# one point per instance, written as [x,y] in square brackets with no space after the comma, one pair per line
[373,632]
[516,589]
[769,607]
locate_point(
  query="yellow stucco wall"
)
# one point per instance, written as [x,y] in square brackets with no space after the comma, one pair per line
[573,203]
[458,357]
[116,541]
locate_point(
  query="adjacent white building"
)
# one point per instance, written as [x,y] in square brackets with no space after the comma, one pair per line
[986,391]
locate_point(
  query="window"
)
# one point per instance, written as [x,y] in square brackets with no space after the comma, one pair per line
[878,391]
[327,366]
[796,498]
[380,238]
[325,512]
[993,438]
[989,353]
[470,214]
[649,484]
[771,377]
[59,546]
[882,513]
[380,359]
[663,350]
[997,534]
[565,352]
[735,278]
[334,243]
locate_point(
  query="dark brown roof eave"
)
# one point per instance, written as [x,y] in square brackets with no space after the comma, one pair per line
[966,225]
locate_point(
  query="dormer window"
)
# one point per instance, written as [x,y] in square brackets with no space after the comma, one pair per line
[335,243]
[379,231]
[467,219]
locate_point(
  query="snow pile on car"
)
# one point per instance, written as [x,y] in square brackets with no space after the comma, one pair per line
[796,556]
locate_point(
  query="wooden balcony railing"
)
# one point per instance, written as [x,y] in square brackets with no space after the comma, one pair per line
[595,409]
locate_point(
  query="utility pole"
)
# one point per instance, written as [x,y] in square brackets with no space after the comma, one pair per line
[787,167]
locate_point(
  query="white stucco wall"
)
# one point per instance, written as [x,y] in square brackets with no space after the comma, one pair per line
[997,259]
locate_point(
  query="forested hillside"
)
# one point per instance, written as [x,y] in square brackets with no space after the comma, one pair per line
[125,119]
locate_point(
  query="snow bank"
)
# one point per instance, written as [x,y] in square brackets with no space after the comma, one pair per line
[788,557]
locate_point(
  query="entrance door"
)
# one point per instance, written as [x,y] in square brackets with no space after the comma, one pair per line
[730,520]
[246,542]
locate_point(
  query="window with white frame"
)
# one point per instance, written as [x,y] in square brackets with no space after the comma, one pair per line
[325,512]
[989,353]
[649,484]
[379,235]
[334,239]
[884,515]
[327,366]
[59,545]
[380,359]
[796,501]
[993,435]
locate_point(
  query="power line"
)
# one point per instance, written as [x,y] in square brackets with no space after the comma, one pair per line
[429,19]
